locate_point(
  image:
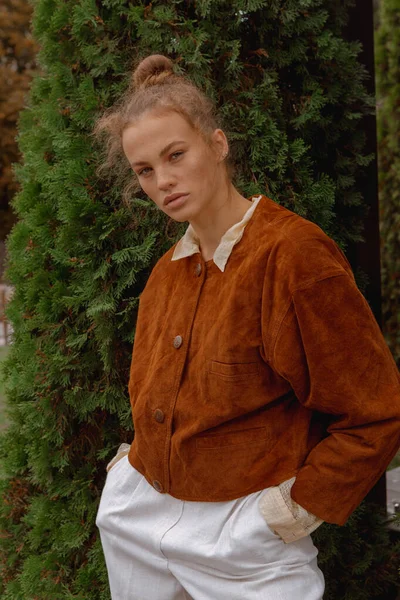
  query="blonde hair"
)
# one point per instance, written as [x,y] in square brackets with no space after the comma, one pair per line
[153,86]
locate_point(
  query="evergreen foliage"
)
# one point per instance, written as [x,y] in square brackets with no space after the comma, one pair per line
[387,59]
[291,91]
[360,561]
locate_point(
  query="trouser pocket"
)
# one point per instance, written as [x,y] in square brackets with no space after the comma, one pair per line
[122,451]
[121,485]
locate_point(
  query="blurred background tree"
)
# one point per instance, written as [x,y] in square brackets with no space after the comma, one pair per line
[17,65]
[387,61]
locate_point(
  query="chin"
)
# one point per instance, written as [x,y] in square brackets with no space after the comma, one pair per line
[179,218]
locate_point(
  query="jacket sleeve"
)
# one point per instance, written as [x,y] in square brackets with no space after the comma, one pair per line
[331,350]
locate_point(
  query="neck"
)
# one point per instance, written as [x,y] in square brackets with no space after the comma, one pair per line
[229,209]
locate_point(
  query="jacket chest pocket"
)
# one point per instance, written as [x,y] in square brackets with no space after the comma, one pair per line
[233,389]
[246,438]
[233,371]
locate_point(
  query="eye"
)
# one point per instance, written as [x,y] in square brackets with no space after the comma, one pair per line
[176,154]
[144,171]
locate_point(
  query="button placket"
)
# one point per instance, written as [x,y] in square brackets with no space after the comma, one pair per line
[177,343]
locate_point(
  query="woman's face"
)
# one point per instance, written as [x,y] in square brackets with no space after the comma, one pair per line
[170,157]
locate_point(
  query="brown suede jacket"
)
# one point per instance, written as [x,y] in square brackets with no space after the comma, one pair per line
[273,369]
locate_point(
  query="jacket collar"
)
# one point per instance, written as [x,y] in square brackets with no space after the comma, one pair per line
[189,242]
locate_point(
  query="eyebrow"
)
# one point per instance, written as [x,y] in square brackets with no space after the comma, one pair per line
[163,151]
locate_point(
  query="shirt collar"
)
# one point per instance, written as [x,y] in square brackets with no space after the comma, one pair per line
[189,242]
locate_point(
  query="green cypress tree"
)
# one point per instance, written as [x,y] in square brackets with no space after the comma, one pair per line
[387,59]
[291,92]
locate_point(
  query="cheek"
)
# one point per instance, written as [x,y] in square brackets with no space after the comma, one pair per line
[198,168]
[147,184]
[148,189]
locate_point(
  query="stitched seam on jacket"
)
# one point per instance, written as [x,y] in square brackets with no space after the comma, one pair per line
[275,334]
[310,282]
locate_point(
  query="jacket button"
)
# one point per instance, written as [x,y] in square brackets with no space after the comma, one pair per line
[198,269]
[178,341]
[157,486]
[159,415]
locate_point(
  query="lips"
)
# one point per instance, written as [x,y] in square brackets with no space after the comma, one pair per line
[172,197]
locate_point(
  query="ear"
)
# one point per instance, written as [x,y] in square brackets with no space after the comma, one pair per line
[220,144]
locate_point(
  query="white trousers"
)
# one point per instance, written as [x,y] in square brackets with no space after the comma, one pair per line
[160,548]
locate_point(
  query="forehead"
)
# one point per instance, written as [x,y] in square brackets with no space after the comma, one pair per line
[152,132]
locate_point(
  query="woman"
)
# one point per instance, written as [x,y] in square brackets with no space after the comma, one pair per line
[264,398]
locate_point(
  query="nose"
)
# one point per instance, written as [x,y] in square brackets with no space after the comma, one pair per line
[165,178]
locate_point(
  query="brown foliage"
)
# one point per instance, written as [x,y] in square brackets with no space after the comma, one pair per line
[17,64]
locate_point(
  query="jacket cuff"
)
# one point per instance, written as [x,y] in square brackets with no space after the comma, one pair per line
[123,450]
[284,516]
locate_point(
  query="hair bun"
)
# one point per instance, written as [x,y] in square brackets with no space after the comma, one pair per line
[152,70]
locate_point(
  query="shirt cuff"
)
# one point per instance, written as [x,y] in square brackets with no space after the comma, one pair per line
[123,450]
[284,516]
